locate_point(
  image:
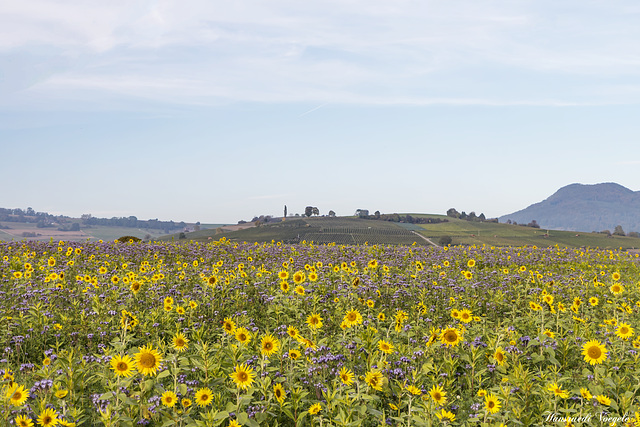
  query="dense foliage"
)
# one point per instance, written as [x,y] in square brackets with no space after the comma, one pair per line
[123,334]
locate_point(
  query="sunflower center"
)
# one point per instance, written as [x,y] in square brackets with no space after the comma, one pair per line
[147,360]
[179,342]
[451,336]
[351,317]
[624,330]
[490,404]
[437,396]
[268,346]
[122,366]
[499,356]
[594,352]
[243,376]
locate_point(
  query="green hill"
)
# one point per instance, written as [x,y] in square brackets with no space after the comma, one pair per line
[351,230]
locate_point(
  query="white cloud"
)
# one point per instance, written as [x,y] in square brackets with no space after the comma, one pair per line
[412,52]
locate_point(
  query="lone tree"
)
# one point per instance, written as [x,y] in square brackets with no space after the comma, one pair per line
[332,214]
[285,211]
[618,231]
[315,211]
[308,211]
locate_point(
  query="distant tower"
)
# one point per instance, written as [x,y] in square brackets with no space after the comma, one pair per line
[285,211]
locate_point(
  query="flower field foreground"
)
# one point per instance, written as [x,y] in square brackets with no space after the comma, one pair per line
[228,334]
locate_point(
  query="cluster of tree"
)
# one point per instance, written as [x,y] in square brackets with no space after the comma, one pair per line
[364,214]
[453,213]
[533,223]
[262,219]
[29,216]
[618,231]
[311,210]
[134,222]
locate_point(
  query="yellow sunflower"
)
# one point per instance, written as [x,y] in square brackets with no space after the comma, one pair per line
[491,403]
[122,365]
[294,354]
[243,335]
[269,345]
[314,321]
[169,399]
[385,347]
[204,397]
[374,379]
[284,286]
[346,376]
[594,352]
[23,421]
[48,417]
[499,356]
[315,408]
[180,342]
[352,318]
[444,414]
[128,320]
[279,393]
[293,332]
[558,391]
[624,331]
[148,360]
[299,277]
[243,376]
[466,315]
[414,390]
[438,395]
[135,287]
[586,394]
[17,394]
[451,337]
[616,288]
[229,326]
[283,275]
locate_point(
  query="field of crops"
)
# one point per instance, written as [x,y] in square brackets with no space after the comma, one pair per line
[231,334]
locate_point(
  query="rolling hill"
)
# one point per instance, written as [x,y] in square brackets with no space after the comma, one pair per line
[351,230]
[579,207]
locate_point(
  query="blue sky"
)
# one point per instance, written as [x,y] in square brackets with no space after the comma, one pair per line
[219,111]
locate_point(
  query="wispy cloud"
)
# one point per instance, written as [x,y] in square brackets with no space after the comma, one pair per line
[374,52]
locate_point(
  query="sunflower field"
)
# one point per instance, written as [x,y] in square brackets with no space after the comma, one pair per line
[243,334]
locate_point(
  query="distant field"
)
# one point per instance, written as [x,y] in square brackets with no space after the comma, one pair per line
[322,230]
[94,233]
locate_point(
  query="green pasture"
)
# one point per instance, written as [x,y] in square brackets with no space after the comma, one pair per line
[495,234]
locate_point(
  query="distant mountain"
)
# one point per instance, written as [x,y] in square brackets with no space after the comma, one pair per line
[579,207]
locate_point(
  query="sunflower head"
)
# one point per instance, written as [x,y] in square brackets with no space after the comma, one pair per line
[148,360]
[594,352]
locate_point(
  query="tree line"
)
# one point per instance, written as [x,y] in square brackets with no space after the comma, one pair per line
[65,223]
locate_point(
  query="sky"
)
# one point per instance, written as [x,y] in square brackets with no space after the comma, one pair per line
[217,111]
